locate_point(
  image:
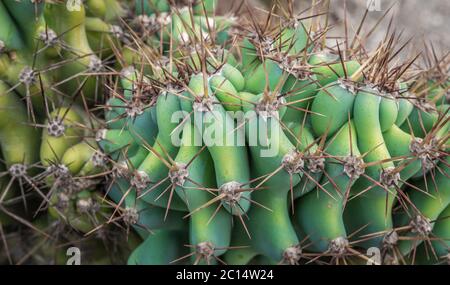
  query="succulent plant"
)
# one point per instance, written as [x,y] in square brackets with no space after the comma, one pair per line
[173,135]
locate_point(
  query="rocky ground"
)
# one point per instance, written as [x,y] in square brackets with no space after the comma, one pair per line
[424,20]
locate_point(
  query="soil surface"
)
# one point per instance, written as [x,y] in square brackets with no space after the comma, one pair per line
[424,20]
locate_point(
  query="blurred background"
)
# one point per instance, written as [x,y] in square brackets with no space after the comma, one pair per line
[424,20]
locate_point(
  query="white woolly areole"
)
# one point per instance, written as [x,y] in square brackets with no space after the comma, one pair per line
[135,108]
[292,255]
[315,164]
[348,85]
[390,239]
[58,170]
[338,246]
[230,192]
[62,201]
[56,128]
[293,162]
[353,166]
[116,31]
[179,174]
[164,19]
[130,216]
[101,135]
[427,152]
[49,37]
[147,21]
[205,104]
[27,76]
[389,177]
[127,72]
[95,64]
[205,249]
[18,170]
[98,159]
[86,205]
[140,180]
[421,225]
[121,169]
[269,108]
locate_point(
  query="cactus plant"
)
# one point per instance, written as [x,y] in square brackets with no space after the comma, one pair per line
[178,136]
